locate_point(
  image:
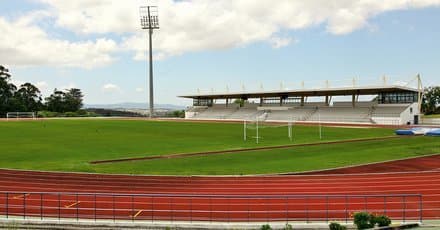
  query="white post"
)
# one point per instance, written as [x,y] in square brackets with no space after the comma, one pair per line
[244,130]
[320,128]
[289,128]
[257,137]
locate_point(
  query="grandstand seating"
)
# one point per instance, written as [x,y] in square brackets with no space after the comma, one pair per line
[245,113]
[388,111]
[216,113]
[295,114]
[342,114]
[364,112]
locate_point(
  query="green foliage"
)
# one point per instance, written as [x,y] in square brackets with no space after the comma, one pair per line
[7,91]
[336,226]
[265,227]
[69,100]
[363,220]
[79,113]
[381,220]
[431,100]
[46,113]
[239,102]
[177,113]
[288,227]
[28,98]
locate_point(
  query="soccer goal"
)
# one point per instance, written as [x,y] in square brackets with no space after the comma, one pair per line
[18,115]
[254,128]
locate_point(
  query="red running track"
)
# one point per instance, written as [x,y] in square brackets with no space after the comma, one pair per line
[262,198]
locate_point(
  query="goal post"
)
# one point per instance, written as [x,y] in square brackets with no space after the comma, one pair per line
[256,127]
[18,115]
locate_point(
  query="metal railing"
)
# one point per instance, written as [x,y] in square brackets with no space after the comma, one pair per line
[221,208]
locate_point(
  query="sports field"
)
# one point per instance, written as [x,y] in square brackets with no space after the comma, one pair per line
[69,145]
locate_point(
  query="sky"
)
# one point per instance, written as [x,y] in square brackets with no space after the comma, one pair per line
[223,45]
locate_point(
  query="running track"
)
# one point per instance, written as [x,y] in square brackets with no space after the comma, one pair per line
[329,196]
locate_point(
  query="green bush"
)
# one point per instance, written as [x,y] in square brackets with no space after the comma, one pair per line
[70,114]
[45,113]
[266,227]
[363,220]
[336,226]
[381,221]
[82,112]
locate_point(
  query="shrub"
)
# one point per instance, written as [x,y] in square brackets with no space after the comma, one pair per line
[266,227]
[70,114]
[47,114]
[381,221]
[363,220]
[336,226]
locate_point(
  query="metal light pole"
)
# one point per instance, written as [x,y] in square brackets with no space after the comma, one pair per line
[150,21]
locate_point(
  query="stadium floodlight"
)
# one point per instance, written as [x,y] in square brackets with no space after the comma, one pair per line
[150,21]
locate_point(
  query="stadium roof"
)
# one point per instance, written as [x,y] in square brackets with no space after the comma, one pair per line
[343,91]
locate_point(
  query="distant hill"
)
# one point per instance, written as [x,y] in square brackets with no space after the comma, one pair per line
[133,105]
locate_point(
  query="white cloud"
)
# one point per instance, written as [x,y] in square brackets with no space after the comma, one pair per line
[186,26]
[139,89]
[27,44]
[277,42]
[110,88]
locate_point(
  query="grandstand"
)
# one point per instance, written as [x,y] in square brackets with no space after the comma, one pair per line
[391,105]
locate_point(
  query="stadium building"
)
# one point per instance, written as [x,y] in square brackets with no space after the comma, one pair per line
[391,105]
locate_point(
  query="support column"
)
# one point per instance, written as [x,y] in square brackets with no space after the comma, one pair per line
[261,101]
[281,101]
[227,102]
[353,100]
[326,100]
[302,100]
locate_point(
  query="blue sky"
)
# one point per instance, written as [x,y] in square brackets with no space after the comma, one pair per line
[97,46]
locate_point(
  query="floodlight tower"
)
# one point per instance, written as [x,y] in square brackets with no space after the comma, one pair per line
[150,21]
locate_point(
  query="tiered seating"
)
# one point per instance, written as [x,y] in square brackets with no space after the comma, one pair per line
[366,112]
[295,114]
[245,113]
[388,111]
[216,113]
[342,114]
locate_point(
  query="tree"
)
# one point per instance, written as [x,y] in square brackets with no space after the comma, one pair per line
[239,102]
[73,98]
[56,101]
[28,98]
[431,100]
[7,91]
[68,101]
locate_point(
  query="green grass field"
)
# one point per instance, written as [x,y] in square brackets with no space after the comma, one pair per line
[68,145]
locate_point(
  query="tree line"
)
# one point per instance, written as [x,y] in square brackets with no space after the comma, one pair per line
[431,100]
[27,97]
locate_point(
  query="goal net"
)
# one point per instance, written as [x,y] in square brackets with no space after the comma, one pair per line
[18,115]
[258,128]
